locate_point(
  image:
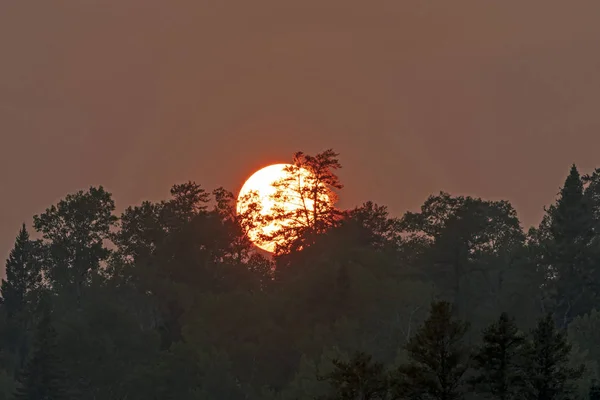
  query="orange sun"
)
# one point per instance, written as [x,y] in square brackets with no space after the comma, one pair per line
[259,188]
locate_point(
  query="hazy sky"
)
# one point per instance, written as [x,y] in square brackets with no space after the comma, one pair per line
[493,99]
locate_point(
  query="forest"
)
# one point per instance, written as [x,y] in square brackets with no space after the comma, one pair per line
[170,299]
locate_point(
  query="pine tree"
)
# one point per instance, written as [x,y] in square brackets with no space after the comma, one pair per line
[312,183]
[18,291]
[565,253]
[546,371]
[438,358]
[497,361]
[358,379]
[42,378]
[22,275]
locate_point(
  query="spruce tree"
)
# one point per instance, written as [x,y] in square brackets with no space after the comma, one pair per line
[497,361]
[22,275]
[438,358]
[565,253]
[18,291]
[358,379]
[546,371]
[42,378]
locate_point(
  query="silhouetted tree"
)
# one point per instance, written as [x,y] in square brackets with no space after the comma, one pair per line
[437,356]
[563,249]
[74,232]
[592,193]
[42,378]
[377,228]
[100,345]
[145,227]
[360,378]
[497,361]
[19,292]
[310,184]
[188,201]
[22,274]
[184,308]
[546,369]
[468,249]
[583,331]
[238,241]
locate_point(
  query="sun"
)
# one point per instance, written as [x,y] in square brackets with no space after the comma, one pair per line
[260,189]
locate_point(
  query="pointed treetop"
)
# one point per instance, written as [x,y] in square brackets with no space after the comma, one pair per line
[573,184]
[22,238]
[21,274]
[571,215]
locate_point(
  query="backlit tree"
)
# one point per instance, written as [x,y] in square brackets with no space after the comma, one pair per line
[310,184]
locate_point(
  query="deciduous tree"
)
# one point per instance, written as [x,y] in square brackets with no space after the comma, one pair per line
[74,233]
[468,248]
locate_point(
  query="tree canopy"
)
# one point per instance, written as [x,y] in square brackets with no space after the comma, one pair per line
[171,300]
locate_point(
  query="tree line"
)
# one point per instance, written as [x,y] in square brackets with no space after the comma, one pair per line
[506,365]
[170,300]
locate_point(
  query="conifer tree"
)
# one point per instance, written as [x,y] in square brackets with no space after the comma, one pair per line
[546,371]
[497,361]
[358,379]
[18,292]
[592,193]
[22,274]
[438,358]
[42,378]
[564,251]
[310,183]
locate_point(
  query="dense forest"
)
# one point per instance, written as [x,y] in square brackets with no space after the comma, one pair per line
[170,300]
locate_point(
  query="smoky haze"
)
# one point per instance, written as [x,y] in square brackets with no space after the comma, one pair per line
[493,99]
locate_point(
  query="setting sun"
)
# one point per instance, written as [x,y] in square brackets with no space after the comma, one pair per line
[261,188]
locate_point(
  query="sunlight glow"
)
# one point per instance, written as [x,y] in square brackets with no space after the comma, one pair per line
[261,183]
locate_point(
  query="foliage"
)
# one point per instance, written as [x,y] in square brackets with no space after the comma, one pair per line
[583,330]
[566,251]
[20,292]
[306,383]
[358,378]
[497,361]
[43,378]
[74,232]
[310,184]
[438,358]
[22,275]
[170,300]
[546,368]
[471,249]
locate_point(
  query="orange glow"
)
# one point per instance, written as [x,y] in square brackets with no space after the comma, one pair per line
[261,184]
